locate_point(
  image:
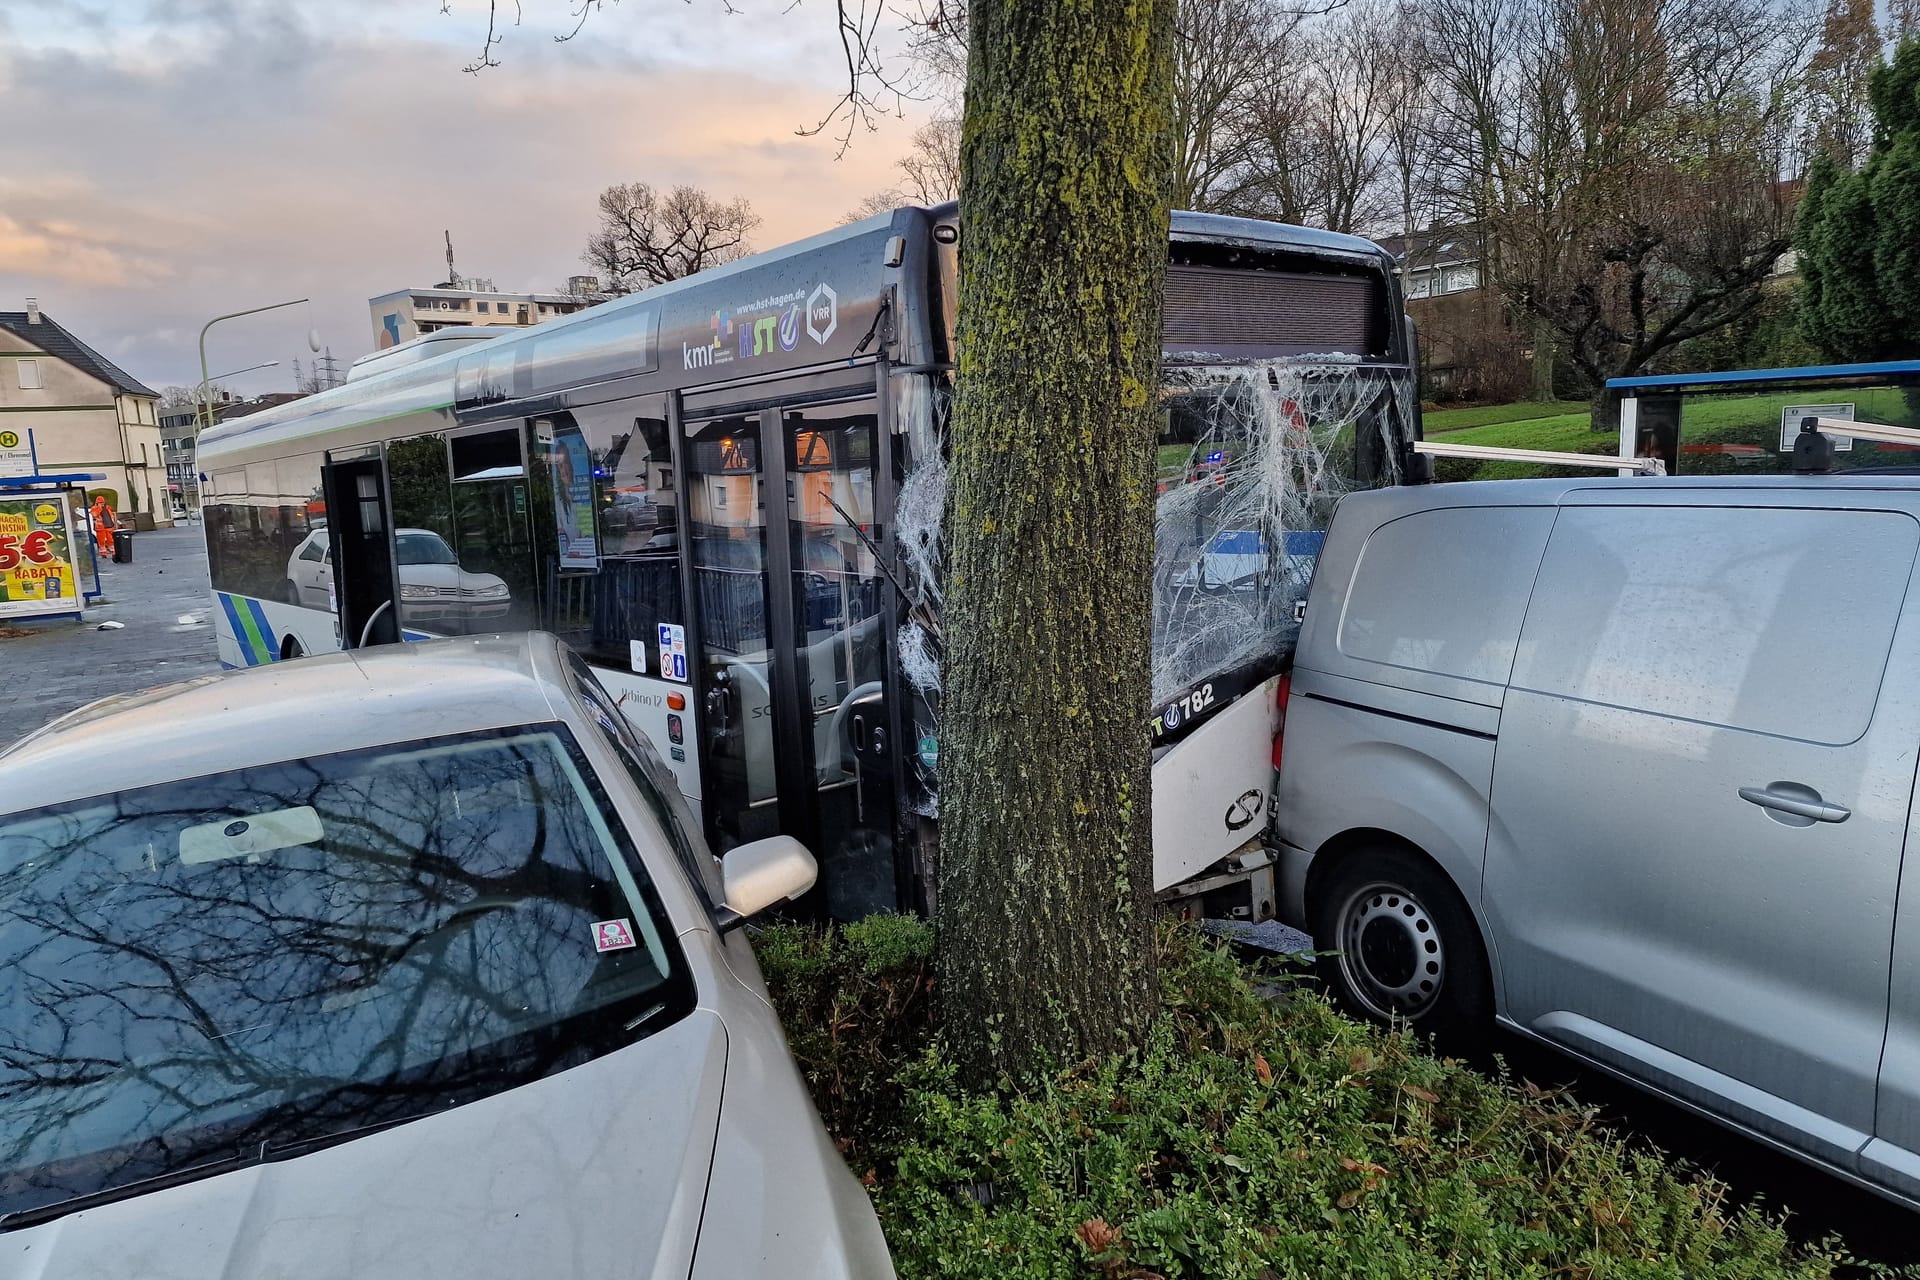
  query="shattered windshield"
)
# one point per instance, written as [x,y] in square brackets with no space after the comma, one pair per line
[233,966]
[1253,457]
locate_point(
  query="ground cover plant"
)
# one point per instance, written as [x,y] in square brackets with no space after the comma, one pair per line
[1261,1135]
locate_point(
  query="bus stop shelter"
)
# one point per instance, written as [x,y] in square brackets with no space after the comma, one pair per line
[1743,422]
[48,567]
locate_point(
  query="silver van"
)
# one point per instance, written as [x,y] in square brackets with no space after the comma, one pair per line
[1628,765]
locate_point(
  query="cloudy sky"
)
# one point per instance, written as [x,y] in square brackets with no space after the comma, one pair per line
[168,160]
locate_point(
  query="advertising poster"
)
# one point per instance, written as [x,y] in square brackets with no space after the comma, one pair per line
[573,515]
[37,574]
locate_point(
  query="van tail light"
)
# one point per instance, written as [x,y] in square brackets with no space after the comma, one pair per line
[1280,716]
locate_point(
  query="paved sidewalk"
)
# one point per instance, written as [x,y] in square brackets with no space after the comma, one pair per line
[63,665]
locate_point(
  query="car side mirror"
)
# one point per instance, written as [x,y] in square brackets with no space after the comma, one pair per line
[763,874]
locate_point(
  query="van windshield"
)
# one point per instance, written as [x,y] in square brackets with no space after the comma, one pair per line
[258,961]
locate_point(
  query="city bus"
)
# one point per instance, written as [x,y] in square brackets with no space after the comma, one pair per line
[726,494]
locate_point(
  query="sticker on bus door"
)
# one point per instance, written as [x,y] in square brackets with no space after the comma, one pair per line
[673,651]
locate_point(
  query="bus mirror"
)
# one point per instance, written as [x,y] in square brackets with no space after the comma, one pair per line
[763,874]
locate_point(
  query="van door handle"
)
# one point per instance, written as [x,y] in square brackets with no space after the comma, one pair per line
[1799,801]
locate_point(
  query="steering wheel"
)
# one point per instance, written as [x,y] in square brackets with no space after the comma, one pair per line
[837,726]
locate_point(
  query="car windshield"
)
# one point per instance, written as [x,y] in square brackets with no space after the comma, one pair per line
[421,548]
[281,955]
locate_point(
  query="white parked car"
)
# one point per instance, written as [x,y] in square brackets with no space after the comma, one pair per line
[436,594]
[400,962]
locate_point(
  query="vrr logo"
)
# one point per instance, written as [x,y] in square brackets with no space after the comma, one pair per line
[823,313]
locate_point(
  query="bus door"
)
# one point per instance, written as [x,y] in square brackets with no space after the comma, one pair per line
[792,638]
[360,535]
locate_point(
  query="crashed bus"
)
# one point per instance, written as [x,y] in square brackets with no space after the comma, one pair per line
[727,493]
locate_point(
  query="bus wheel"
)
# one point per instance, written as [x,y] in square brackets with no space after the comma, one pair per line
[290,648]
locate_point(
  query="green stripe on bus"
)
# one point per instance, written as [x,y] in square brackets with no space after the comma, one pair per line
[250,633]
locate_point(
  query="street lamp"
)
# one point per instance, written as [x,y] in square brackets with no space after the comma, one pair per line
[313,341]
[206,388]
[234,373]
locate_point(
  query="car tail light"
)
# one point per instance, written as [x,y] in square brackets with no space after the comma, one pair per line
[1280,717]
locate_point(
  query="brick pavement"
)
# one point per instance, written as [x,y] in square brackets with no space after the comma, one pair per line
[63,665]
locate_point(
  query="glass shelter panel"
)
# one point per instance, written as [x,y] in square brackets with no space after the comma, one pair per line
[1751,432]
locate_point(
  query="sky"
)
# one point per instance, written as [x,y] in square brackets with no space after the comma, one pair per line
[165,161]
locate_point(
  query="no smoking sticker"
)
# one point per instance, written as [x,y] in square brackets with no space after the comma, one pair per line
[613,935]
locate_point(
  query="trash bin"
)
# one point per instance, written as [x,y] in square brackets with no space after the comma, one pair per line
[123,545]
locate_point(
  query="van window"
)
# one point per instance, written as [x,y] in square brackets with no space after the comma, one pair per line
[1445,591]
[1770,620]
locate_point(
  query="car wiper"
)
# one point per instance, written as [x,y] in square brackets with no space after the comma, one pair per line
[301,1146]
[17,1218]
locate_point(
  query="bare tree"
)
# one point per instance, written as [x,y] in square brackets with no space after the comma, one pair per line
[646,238]
[1840,118]
[1621,160]
[930,172]
[877,203]
[1225,52]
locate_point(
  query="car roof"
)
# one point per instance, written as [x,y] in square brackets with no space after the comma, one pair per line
[288,711]
[1548,492]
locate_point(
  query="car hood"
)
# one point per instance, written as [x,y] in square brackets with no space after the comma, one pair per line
[446,576]
[598,1171]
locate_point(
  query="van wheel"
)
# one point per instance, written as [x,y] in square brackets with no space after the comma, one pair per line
[1401,945]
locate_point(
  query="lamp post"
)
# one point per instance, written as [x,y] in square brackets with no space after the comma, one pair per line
[205,411]
[206,388]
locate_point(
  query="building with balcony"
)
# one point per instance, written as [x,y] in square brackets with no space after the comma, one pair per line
[407,313]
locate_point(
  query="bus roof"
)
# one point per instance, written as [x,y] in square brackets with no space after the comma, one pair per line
[843,268]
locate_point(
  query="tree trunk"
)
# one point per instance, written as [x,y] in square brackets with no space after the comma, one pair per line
[1045,868]
[1543,353]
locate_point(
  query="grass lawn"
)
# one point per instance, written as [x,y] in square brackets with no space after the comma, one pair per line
[1746,426]
[1486,415]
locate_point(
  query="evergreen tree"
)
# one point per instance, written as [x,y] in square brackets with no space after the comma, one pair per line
[1859,232]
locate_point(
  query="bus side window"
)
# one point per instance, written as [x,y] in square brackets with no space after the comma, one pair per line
[616,612]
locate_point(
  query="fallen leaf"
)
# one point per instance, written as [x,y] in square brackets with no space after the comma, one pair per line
[1097,1235]
[1425,1095]
[1261,1070]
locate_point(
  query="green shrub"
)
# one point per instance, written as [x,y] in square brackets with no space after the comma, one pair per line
[1260,1135]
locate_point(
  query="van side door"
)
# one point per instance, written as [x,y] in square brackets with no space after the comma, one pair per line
[1700,798]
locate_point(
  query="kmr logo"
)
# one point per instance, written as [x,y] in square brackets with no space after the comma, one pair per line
[823,313]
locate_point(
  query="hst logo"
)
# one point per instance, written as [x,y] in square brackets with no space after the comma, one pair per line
[700,357]
[823,313]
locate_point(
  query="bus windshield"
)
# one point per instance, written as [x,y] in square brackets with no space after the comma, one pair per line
[1252,459]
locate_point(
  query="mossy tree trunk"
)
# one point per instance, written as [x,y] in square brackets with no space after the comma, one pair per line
[1045,875]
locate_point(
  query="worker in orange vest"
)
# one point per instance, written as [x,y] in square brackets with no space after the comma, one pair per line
[103,524]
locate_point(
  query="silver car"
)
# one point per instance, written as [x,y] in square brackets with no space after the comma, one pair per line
[402,962]
[437,595]
[1629,766]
